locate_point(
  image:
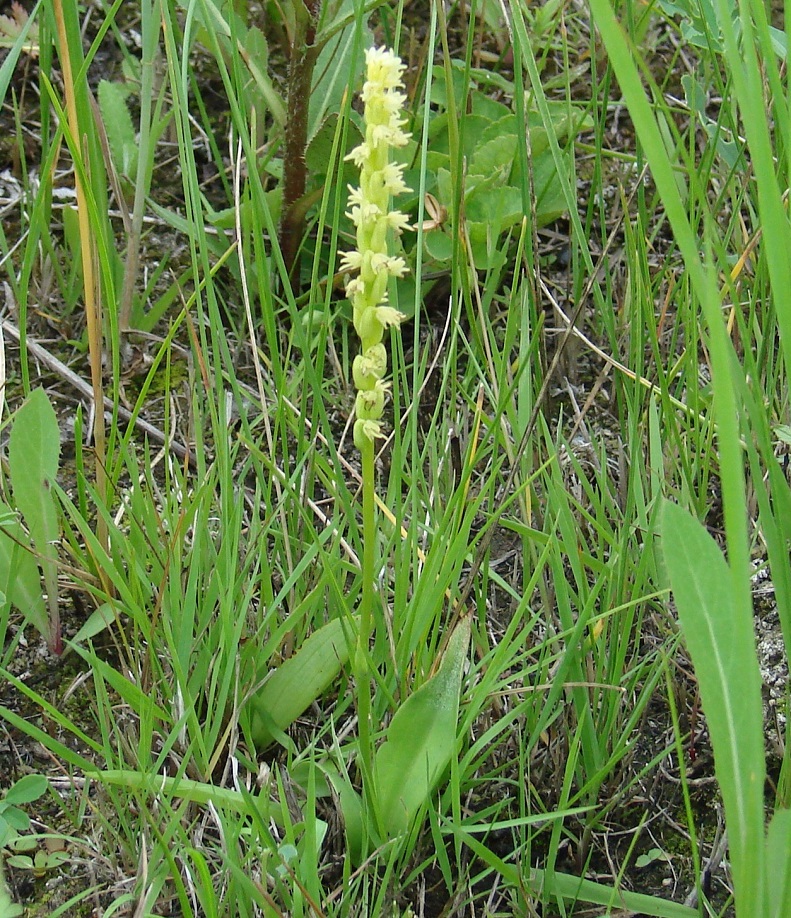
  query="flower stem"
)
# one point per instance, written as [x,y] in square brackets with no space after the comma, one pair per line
[366,604]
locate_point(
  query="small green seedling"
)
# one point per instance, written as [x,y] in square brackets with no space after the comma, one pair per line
[18,26]
[652,856]
[39,863]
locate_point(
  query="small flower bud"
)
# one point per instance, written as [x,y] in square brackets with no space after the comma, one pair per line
[370,403]
[366,432]
[369,367]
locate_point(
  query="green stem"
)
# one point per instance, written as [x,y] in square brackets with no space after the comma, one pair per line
[366,606]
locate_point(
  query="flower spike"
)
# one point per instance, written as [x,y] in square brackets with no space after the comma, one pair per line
[369,210]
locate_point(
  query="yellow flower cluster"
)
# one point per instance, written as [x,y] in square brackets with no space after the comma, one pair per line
[369,209]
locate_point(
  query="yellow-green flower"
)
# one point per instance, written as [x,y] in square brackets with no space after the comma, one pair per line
[369,210]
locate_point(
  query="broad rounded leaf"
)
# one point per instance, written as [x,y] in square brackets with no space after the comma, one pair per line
[26,789]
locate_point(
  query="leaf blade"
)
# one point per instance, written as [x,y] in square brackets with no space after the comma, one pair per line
[33,456]
[299,681]
[720,638]
[420,739]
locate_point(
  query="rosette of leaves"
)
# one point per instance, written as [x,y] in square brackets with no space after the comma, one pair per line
[495,179]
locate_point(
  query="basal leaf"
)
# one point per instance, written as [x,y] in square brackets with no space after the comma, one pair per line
[490,109]
[420,740]
[471,128]
[550,203]
[579,889]
[26,789]
[8,909]
[496,156]
[33,452]
[351,807]
[100,619]
[720,638]
[334,74]
[118,125]
[438,245]
[20,579]
[299,681]
[499,207]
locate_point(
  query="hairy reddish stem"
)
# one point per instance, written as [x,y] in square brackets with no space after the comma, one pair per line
[304,53]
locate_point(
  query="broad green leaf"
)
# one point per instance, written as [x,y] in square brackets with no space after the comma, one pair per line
[33,452]
[439,88]
[488,254]
[257,47]
[20,579]
[471,128]
[779,42]
[254,43]
[489,108]
[550,202]
[496,157]
[504,126]
[500,208]
[579,889]
[420,740]
[26,789]
[7,834]
[299,681]
[351,809]
[184,789]
[778,864]
[130,693]
[478,186]
[439,245]
[719,636]
[444,186]
[318,155]
[334,76]
[16,820]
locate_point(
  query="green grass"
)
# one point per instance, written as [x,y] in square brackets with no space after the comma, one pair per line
[542,486]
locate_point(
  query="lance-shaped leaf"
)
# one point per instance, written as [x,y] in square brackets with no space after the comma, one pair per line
[20,580]
[721,641]
[299,681]
[420,740]
[33,452]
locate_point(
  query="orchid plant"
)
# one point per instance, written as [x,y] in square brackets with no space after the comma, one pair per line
[371,266]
